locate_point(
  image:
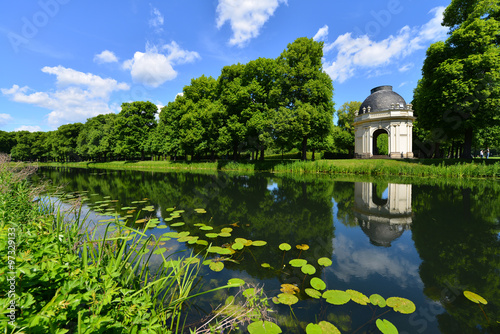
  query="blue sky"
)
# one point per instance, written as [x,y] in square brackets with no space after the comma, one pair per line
[63,61]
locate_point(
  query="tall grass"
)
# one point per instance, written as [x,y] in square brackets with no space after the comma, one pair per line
[66,278]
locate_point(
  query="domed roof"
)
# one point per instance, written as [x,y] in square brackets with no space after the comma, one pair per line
[381,98]
[382,234]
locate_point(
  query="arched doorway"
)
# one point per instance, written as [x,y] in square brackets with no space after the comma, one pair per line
[380,142]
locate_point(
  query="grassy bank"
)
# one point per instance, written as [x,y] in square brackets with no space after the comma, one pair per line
[421,168]
[60,277]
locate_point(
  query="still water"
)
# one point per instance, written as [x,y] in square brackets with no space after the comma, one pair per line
[424,240]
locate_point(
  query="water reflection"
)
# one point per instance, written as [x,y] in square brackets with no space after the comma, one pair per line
[383,213]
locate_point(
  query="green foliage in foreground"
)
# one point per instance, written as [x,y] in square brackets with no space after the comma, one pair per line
[62,278]
[420,168]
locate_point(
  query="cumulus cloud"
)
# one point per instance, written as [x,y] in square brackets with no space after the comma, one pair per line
[105,57]
[405,67]
[156,20]
[30,128]
[5,118]
[246,17]
[361,52]
[322,33]
[77,97]
[155,66]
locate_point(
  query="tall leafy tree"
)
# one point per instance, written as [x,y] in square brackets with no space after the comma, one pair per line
[64,142]
[343,134]
[95,140]
[132,127]
[459,93]
[307,91]
[7,141]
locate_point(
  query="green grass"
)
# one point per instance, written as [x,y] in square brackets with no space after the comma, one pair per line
[384,167]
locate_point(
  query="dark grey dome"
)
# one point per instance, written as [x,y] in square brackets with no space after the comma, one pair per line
[381,98]
[382,234]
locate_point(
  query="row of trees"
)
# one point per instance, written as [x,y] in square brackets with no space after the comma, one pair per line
[264,105]
[457,101]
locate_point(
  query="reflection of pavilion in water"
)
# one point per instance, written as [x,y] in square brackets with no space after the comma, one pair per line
[383,218]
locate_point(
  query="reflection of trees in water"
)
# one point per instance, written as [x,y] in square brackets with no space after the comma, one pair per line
[455,231]
[298,211]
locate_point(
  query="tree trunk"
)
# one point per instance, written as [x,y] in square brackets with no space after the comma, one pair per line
[467,143]
[262,153]
[313,150]
[304,148]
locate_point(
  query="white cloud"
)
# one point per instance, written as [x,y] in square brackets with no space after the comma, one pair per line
[322,33]
[105,57]
[246,17]
[30,128]
[5,118]
[358,53]
[153,67]
[78,95]
[156,20]
[406,67]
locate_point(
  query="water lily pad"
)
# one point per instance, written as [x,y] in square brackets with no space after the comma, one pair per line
[206,228]
[308,269]
[200,210]
[243,241]
[336,297]
[183,234]
[313,293]
[324,261]
[216,266]
[285,247]
[329,328]
[177,224]
[318,283]
[289,288]
[171,234]
[287,298]
[218,250]
[236,281]
[225,234]
[401,305]
[263,327]
[259,243]
[202,242]
[140,221]
[377,299]
[162,226]
[298,262]
[313,329]
[358,297]
[160,251]
[192,240]
[474,297]
[211,235]
[302,247]
[386,326]
[237,246]
[250,292]
[227,230]
[265,265]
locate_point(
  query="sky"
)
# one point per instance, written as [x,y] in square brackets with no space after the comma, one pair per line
[64,61]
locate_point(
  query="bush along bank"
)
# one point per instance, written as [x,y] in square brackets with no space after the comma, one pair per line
[61,277]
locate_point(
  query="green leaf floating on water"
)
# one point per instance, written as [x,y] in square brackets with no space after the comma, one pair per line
[265,265]
[259,243]
[313,329]
[358,297]
[225,234]
[308,269]
[263,327]
[336,297]
[219,250]
[474,297]
[285,247]
[386,326]
[216,266]
[324,261]
[298,262]
[206,228]
[211,235]
[377,299]
[313,293]
[401,305]
[236,281]
[287,298]
[177,224]
[318,283]
[160,251]
[226,230]
[237,246]
[329,328]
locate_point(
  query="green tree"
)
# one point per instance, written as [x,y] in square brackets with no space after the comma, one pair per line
[64,142]
[22,150]
[344,134]
[132,127]
[7,141]
[307,91]
[459,92]
[95,140]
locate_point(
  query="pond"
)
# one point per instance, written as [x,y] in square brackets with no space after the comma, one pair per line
[423,240]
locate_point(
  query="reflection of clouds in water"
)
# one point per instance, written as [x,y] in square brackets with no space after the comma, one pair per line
[361,262]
